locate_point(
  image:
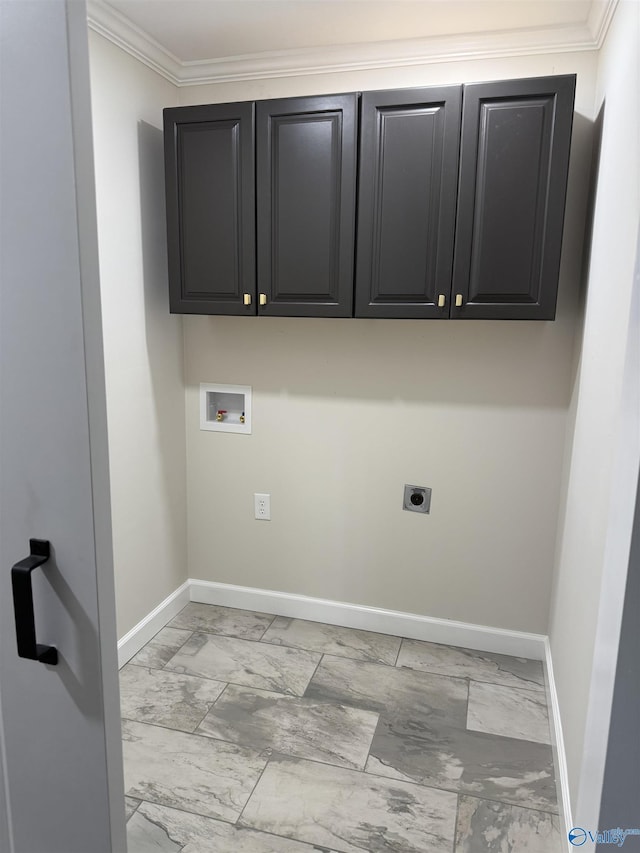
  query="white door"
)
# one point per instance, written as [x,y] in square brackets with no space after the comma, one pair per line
[61,788]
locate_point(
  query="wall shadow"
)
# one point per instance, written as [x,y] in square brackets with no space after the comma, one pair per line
[596,152]
[163,331]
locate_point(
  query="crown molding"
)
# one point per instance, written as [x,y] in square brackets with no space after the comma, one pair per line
[599,20]
[117,28]
[114,26]
[389,54]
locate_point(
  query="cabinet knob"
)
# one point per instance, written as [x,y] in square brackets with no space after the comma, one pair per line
[458,300]
[442,299]
[263,299]
[247,299]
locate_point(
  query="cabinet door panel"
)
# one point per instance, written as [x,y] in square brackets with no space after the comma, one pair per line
[513,174]
[210,208]
[306,150]
[406,213]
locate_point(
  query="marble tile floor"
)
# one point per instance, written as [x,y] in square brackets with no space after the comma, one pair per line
[249,733]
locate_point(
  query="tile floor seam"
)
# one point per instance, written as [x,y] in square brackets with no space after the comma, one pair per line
[539,689]
[197,734]
[275,616]
[463,793]
[219,697]
[184,811]
[282,752]
[313,848]
[248,640]
[508,686]
[506,803]
[455,825]
[175,672]
[455,791]
[208,711]
[366,773]
[239,818]
[466,713]
[302,653]
[219,607]
[278,753]
[373,737]
[395,663]
[411,669]
[401,668]
[333,654]
[304,695]
[131,660]
[158,825]
[232,683]
[179,647]
[158,726]
[510,738]
[259,752]
[144,666]
[293,620]
[533,725]
[138,804]
[283,837]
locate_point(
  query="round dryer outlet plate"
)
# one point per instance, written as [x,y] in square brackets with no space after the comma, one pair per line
[417,499]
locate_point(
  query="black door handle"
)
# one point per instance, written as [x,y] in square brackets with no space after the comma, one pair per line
[23,604]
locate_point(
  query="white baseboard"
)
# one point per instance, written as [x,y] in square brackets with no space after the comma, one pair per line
[559,754]
[400,624]
[141,633]
[478,637]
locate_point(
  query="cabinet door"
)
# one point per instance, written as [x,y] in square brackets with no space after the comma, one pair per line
[306,172]
[209,169]
[409,145]
[514,162]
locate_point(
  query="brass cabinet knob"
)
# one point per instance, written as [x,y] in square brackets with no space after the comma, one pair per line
[263,299]
[442,299]
[247,299]
[458,300]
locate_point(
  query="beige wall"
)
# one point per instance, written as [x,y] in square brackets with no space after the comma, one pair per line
[602,452]
[347,411]
[142,341]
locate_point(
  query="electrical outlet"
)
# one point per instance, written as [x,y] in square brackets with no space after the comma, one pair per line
[262,507]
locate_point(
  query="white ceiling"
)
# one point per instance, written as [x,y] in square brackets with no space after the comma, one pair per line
[201,30]
[209,40]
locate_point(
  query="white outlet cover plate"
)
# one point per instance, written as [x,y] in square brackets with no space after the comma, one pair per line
[262,507]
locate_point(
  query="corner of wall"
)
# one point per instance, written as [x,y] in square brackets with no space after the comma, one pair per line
[143,343]
[603,448]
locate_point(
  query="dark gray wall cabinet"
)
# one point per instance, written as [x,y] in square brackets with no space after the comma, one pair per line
[409,143]
[306,205]
[461,194]
[514,161]
[304,151]
[210,186]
